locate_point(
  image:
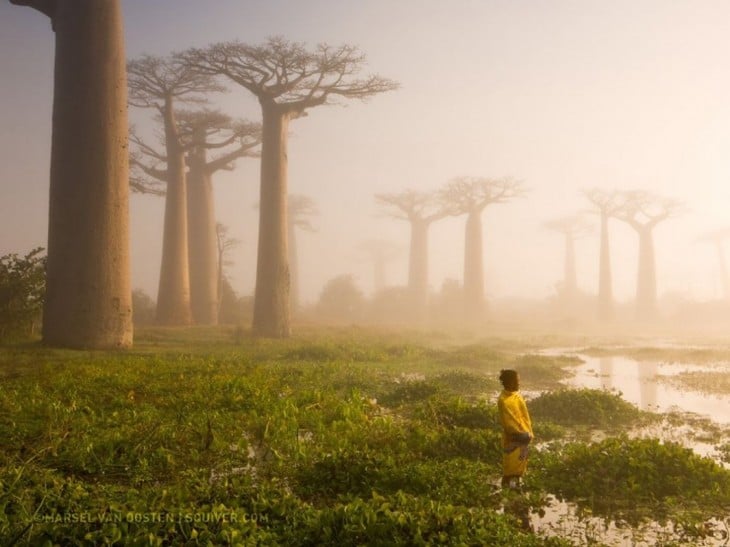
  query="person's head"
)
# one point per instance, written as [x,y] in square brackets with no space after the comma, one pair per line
[510,379]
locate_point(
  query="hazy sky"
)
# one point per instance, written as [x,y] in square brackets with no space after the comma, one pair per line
[564,95]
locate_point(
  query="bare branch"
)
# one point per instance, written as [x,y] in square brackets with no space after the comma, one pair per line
[607,202]
[412,206]
[284,73]
[211,129]
[144,148]
[155,80]
[472,194]
[643,211]
[143,185]
[574,226]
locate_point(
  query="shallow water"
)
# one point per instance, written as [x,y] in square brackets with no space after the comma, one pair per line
[641,383]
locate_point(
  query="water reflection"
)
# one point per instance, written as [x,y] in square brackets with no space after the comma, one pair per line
[643,383]
[606,364]
[648,386]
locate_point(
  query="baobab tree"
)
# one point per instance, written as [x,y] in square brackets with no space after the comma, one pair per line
[380,252]
[420,210]
[287,80]
[203,131]
[643,212]
[224,245]
[199,132]
[159,84]
[718,238]
[300,210]
[606,204]
[571,227]
[88,292]
[470,196]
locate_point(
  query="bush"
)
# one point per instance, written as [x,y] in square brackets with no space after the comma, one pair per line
[587,407]
[143,308]
[22,290]
[632,478]
[341,300]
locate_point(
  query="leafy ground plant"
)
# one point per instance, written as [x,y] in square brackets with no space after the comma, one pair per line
[638,479]
[585,407]
[332,438]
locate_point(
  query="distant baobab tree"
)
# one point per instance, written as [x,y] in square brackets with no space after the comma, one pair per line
[470,196]
[571,227]
[206,130]
[420,210]
[643,212]
[287,79]
[380,252]
[159,83]
[224,245]
[300,210]
[718,238]
[607,204]
[199,131]
[88,293]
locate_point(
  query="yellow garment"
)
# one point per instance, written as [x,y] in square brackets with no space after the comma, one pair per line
[515,419]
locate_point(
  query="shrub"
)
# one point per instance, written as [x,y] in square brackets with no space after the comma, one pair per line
[22,290]
[632,478]
[588,407]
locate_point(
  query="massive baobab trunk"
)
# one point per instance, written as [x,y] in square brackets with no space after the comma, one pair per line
[646,279]
[473,265]
[202,242]
[173,296]
[293,267]
[271,304]
[88,292]
[605,292]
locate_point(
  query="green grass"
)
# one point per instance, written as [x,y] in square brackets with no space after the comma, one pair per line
[335,437]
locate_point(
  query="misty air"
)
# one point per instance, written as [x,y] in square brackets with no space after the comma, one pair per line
[364,273]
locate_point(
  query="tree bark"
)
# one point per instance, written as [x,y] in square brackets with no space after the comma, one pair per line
[202,242]
[473,266]
[646,282]
[88,292]
[271,316]
[293,267]
[418,262]
[173,295]
[605,292]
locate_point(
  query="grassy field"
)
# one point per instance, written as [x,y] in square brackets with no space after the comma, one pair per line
[334,437]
